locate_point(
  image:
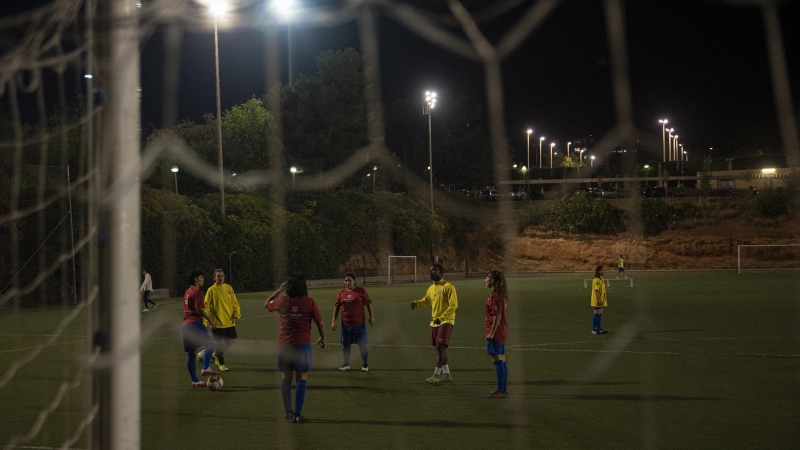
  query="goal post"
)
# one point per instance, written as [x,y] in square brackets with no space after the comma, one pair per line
[788,251]
[398,262]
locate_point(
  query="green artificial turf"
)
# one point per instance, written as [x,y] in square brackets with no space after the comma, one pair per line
[692,360]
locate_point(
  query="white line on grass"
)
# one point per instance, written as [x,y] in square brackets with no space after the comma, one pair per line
[31,348]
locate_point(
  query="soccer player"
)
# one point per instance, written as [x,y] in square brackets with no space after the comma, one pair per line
[194,332]
[297,311]
[146,289]
[599,299]
[621,267]
[497,329]
[352,300]
[441,297]
[222,305]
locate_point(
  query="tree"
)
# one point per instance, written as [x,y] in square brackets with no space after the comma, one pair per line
[705,178]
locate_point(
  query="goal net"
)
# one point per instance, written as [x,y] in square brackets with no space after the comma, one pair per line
[768,257]
[402,269]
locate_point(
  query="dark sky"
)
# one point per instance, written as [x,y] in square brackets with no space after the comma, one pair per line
[701,64]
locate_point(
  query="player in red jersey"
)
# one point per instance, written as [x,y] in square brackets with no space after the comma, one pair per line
[352,300]
[194,332]
[297,311]
[497,329]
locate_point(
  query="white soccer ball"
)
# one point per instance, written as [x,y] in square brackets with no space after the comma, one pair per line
[201,355]
[215,383]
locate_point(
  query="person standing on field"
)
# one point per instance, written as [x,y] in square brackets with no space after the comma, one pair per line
[146,289]
[621,267]
[222,305]
[599,299]
[497,329]
[352,301]
[441,297]
[194,332]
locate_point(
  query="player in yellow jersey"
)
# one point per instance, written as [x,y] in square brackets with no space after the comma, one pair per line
[599,299]
[222,306]
[441,297]
[621,267]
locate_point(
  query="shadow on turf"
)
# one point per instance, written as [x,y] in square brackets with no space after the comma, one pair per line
[569,383]
[429,424]
[624,397]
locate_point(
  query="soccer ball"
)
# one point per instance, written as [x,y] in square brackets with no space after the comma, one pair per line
[201,355]
[215,383]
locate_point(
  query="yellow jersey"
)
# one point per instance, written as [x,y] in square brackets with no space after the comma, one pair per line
[441,297]
[621,264]
[222,306]
[598,284]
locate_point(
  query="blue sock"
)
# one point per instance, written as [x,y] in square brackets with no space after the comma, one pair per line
[505,376]
[595,322]
[346,352]
[498,370]
[191,365]
[362,345]
[207,356]
[300,393]
[286,393]
[599,318]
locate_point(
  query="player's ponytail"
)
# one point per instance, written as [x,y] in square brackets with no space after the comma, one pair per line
[498,283]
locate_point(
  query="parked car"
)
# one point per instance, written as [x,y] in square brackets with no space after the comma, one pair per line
[654,192]
[609,193]
[590,191]
[489,195]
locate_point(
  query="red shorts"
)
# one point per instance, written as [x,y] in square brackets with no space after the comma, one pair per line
[441,334]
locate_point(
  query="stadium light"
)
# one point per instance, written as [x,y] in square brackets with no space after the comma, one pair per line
[663,123]
[427,109]
[568,144]
[174,171]
[591,161]
[293,169]
[540,151]
[286,10]
[218,9]
[530,130]
[552,144]
[375,171]
[769,170]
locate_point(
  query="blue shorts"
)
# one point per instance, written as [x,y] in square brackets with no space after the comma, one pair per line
[621,269]
[294,359]
[352,335]
[494,347]
[194,336]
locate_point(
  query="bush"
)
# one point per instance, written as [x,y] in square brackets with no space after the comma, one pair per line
[773,204]
[580,213]
[658,215]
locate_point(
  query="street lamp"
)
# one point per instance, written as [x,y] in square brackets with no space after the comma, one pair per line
[591,162]
[175,170]
[675,149]
[540,151]
[646,175]
[427,108]
[568,144]
[670,142]
[529,146]
[663,123]
[552,144]
[219,8]
[293,169]
[374,176]
[285,9]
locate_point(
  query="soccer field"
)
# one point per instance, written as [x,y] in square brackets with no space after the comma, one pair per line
[692,360]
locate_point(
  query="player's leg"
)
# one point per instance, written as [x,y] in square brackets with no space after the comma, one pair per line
[437,371]
[302,367]
[596,321]
[144,300]
[362,347]
[286,391]
[208,341]
[346,341]
[190,346]
[496,351]
[443,342]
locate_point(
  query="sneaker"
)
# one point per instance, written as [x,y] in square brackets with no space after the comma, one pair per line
[198,384]
[433,379]
[215,360]
[594,331]
[365,369]
[200,356]
[155,306]
[145,310]
[289,415]
[208,372]
[496,394]
[344,367]
[446,378]
[601,331]
[223,368]
[299,418]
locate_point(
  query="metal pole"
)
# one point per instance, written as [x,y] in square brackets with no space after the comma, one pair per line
[176,181]
[118,380]
[529,149]
[219,122]
[72,238]
[430,152]
[664,140]
[374,176]
[230,268]
[540,154]
[291,55]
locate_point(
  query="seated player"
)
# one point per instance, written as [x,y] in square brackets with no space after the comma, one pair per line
[194,332]
[352,300]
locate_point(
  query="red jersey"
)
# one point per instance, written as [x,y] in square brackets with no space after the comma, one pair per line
[494,306]
[193,300]
[353,304]
[296,316]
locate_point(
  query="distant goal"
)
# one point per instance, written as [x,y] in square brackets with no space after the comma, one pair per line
[768,257]
[402,269]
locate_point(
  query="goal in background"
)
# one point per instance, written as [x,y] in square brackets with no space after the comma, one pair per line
[768,257]
[402,269]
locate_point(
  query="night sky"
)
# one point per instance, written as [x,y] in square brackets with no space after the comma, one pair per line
[701,64]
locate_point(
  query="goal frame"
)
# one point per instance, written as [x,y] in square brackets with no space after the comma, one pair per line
[739,252]
[389,273]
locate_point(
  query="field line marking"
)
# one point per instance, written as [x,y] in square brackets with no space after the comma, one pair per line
[51,345]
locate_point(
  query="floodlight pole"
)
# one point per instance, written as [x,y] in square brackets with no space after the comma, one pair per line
[219,120]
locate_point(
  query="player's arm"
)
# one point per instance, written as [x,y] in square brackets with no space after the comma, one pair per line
[371,314]
[495,324]
[208,318]
[335,315]
[425,301]
[598,297]
[270,304]
[452,303]
[320,327]
[237,310]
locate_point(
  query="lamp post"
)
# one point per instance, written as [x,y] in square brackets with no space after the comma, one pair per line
[670,143]
[430,103]
[175,170]
[219,8]
[540,151]
[524,171]
[663,123]
[285,10]
[646,175]
[230,266]
[293,169]
[374,176]
[552,144]
[675,149]
[529,146]
[568,144]
[591,161]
